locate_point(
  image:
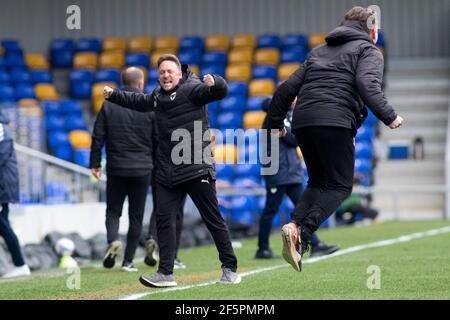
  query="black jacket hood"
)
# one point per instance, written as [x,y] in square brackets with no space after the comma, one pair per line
[348,31]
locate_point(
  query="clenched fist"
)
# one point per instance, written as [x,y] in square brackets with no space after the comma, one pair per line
[396,123]
[107,92]
[208,80]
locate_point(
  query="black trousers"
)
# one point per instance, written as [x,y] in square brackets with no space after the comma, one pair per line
[10,237]
[152,231]
[117,188]
[203,193]
[329,154]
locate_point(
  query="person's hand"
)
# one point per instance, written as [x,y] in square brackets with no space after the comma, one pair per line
[107,92]
[396,123]
[97,172]
[283,132]
[208,80]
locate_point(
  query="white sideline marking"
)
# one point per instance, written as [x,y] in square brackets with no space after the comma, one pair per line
[376,244]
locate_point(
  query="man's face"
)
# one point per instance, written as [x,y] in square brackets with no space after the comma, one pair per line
[169,75]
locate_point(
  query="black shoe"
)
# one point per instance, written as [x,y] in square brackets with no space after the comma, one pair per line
[151,253]
[265,254]
[323,249]
[110,257]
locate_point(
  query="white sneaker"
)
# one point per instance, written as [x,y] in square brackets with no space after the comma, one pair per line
[21,271]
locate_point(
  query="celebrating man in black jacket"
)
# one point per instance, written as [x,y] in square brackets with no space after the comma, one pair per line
[332,87]
[180,112]
[127,135]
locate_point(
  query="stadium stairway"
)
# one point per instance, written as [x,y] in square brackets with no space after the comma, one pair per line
[419,91]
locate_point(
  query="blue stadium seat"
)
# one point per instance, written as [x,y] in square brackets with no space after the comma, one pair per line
[58,139]
[264,72]
[56,192]
[381,41]
[40,76]
[25,91]
[71,107]
[247,170]
[51,107]
[295,55]
[215,58]
[232,104]
[238,88]
[7,93]
[268,41]
[229,120]
[62,53]
[213,69]
[153,76]
[81,83]
[212,119]
[188,42]
[11,45]
[89,44]
[20,75]
[213,107]
[82,157]
[244,209]
[4,77]
[14,60]
[137,59]
[255,103]
[363,150]
[371,119]
[365,134]
[247,152]
[363,166]
[74,123]
[54,123]
[108,75]
[190,56]
[295,40]
[247,182]
[223,135]
[63,152]
[2,63]
[224,206]
[225,171]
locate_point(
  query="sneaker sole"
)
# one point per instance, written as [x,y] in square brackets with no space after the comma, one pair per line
[238,280]
[162,284]
[289,253]
[110,257]
[150,256]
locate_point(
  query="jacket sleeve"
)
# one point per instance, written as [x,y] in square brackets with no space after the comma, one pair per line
[132,100]
[201,94]
[283,97]
[369,78]
[290,139]
[98,139]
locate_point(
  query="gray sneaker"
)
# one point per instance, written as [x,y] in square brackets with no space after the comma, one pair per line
[158,280]
[230,277]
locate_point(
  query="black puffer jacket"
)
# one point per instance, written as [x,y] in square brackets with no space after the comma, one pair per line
[9,177]
[127,135]
[334,83]
[176,109]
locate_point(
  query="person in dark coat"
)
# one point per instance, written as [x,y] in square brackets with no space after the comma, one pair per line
[287,181]
[332,87]
[127,135]
[185,163]
[9,193]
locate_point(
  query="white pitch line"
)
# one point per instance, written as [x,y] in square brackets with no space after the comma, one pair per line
[382,243]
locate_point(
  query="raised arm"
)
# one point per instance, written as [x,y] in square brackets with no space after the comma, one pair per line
[213,88]
[132,100]
[283,97]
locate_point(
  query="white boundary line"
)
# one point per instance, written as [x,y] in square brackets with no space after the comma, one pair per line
[382,243]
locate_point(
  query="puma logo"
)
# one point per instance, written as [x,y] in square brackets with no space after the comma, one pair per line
[205,181]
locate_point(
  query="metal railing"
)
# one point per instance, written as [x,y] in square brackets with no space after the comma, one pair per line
[46,179]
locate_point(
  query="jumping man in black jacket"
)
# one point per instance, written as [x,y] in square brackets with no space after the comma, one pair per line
[180,108]
[332,87]
[127,135]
